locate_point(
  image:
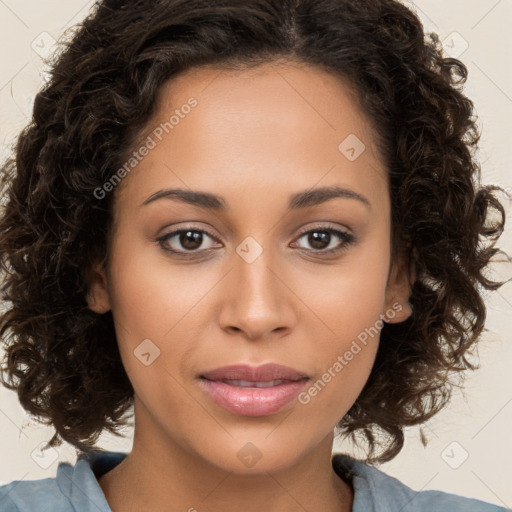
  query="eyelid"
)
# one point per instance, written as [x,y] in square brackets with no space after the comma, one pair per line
[177,231]
[325,225]
[346,236]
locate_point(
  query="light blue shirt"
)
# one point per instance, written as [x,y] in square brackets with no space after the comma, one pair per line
[76,489]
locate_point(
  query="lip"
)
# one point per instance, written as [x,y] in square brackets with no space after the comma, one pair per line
[253,401]
[263,373]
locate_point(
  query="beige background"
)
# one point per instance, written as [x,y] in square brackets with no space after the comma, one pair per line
[470,449]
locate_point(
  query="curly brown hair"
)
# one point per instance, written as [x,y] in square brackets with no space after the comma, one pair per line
[63,359]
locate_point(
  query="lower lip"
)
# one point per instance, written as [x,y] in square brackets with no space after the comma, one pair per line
[253,401]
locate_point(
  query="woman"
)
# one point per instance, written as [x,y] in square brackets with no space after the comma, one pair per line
[255,222]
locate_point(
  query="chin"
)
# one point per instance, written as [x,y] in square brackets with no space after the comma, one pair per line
[252,458]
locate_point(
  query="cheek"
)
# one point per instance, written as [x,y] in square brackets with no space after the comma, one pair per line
[342,355]
[349,296]
[168,304]
[346,305]
[151,295]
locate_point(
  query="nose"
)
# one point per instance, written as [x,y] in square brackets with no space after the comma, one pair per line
[256,300]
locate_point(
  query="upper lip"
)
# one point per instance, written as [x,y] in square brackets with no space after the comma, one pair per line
[263,373]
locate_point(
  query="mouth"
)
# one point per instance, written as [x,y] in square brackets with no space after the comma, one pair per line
[253,391]
[252,384]
[246,373]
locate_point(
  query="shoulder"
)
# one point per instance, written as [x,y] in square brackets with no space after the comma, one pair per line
[29,495]
[74,487]
[375,490]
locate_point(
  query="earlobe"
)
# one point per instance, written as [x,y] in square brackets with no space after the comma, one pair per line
[98,298]
[397,312]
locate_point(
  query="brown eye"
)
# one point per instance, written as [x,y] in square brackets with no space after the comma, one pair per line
[321,238]
[190,239]
[185,240]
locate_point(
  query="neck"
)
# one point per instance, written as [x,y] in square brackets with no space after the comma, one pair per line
[155,475]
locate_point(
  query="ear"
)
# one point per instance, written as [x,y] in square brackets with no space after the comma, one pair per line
[98,297]
[398,291]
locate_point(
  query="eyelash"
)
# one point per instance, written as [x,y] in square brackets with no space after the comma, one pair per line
[347,240]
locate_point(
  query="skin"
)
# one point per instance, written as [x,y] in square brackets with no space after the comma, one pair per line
[255,138]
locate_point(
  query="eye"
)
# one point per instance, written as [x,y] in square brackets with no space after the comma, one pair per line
[321,239]
[190,241]
[183,241]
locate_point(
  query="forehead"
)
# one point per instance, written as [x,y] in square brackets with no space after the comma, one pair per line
[269,96]
[260,125]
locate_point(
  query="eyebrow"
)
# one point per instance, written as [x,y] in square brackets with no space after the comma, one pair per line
[304,199]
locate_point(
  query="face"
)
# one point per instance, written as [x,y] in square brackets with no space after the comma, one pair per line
[269,271]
